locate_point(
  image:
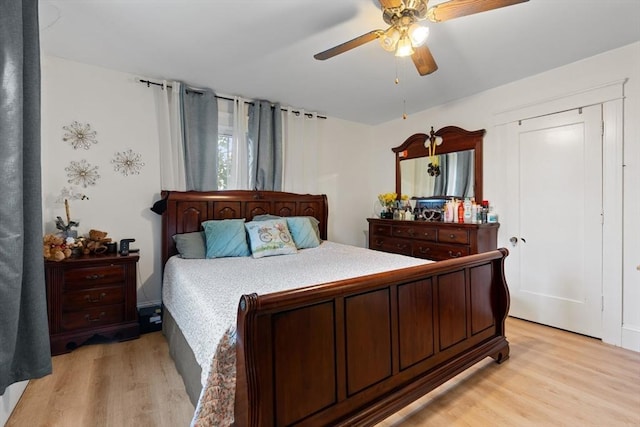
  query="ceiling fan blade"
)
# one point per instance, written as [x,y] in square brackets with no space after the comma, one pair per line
[389,4]
[457,8]
[423,60]
[341,48]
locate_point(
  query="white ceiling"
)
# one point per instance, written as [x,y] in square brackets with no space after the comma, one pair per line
[263,49]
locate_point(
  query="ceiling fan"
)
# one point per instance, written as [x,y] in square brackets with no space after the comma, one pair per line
[406,34]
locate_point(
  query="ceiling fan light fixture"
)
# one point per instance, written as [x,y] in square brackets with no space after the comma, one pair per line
[418,34]
[404,47]
[389,39]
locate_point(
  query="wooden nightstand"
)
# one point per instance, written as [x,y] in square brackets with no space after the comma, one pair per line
[91,295]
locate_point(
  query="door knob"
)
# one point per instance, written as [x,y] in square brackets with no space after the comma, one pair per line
[513,240]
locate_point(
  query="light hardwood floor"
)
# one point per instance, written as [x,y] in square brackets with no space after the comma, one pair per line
[553,378]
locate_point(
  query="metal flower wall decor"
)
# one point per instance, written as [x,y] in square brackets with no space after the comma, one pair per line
[82,173]
[79,135]
[127,163]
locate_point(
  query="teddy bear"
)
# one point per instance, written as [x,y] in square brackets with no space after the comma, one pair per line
[96,242]
[54,248]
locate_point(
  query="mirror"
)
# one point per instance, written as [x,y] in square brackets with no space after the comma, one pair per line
[455,177]
[460,162]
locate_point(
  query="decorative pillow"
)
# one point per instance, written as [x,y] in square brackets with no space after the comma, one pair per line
[225,238]
[305,231]
[270,237]
[265,217]
[191,245]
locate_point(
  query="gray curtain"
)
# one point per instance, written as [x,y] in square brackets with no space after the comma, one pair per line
[464,172]
[441,181]
[24,334]
[200,125]
[265,146]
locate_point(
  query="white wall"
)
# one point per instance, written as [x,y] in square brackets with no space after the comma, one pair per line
[479,111]
[9,400]
[121,112]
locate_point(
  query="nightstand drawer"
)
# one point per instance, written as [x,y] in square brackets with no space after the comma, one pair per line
[80,300]
[93,317]
[90,277]
[457,235]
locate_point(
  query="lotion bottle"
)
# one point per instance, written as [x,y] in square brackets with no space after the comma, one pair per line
[467,210]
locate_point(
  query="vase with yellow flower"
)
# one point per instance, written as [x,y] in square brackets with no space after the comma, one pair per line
[388,201]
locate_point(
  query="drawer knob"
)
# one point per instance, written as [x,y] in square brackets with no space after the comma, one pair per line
[100,297]
[451,236]
[94,276]
[95,319]
[379,242]
[456,255]
[401,245]
[424,250]
[411,232]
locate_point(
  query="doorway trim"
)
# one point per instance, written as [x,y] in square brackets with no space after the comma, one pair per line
[611,96]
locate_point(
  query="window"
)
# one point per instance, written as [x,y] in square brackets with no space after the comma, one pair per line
[225,156]
[225,143]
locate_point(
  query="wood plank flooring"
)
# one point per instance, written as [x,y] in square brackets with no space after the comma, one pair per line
[553,378]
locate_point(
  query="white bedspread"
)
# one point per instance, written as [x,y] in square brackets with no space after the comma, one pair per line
[203,294]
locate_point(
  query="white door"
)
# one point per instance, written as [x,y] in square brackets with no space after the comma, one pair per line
[555,267]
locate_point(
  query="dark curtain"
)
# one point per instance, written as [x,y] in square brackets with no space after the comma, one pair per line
[441,181]
[265,146]
[24,334]
[200,126]
[464,173]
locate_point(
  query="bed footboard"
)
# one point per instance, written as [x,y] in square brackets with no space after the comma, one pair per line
[355,351]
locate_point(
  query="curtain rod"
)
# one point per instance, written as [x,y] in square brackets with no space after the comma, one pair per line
[149,83]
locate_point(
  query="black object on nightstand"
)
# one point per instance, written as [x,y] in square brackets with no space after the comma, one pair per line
[91,295]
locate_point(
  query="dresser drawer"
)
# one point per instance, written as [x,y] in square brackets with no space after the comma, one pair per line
[381,230]
[407,231]
[454,235]
[91,277]
[438,252]
[387,244]
[426,233]
[80,300]
[92,317]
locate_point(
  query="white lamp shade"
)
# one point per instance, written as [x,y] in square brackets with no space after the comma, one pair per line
[418,34]
[404,47]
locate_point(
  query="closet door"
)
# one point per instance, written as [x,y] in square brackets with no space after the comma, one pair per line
[555,275]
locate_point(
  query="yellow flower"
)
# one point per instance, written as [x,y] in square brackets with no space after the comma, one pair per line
[387,199]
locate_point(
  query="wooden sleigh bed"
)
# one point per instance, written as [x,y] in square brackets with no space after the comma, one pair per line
[354,351]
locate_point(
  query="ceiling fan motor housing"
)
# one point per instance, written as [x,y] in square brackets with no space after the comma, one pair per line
[406,14]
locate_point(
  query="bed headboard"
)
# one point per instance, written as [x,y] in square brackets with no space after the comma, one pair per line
[185,211]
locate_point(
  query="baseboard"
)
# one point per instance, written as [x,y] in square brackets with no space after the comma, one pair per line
[9,400]
[631,338]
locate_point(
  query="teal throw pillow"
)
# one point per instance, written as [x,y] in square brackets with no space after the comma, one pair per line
[225,238]
[305,231]
[270,237]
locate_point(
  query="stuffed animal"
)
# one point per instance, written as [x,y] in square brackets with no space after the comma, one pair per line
[96,242]
[55,248]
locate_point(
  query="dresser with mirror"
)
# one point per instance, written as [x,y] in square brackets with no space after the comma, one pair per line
[430,169]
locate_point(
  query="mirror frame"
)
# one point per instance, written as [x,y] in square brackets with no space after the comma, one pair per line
[453,139]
